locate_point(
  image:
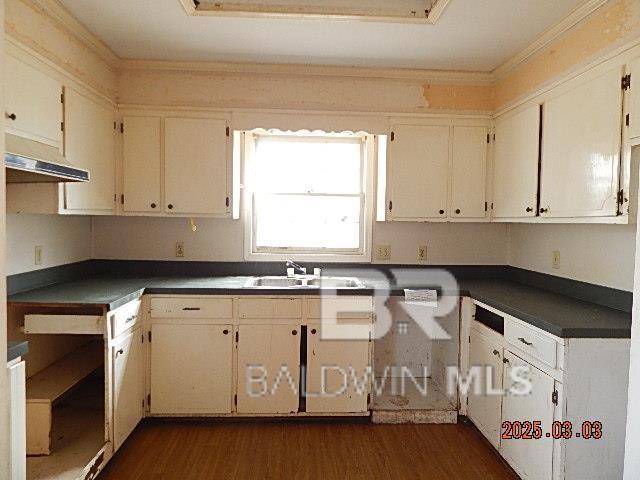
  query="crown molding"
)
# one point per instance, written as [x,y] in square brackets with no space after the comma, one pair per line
[435,76]
[259,10]
[577,16]
[59,13]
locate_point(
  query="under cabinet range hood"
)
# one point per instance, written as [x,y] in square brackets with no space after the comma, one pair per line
[28,161]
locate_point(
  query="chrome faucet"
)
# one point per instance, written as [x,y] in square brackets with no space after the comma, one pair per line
[292,267]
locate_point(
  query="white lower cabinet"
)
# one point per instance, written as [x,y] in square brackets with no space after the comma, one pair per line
[531,458]
[191,369]
[128,384]
[484,406]
[337,378]
[268,368]
[17,424]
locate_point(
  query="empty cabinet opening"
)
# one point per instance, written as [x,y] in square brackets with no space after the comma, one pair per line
[492,320]
[66,414]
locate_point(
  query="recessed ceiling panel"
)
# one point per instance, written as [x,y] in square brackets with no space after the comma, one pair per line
[413,11]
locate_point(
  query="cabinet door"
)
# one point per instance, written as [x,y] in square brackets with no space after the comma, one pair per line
[419,159]
[128,385]
[141,164]
[634,101]
[34,99]
[196,166]
[90,144]
[191,369]
[516,158]
[468,172]
[532,459]
[337,375]
[268,368]
[485,407]
[17,423]
[581,149]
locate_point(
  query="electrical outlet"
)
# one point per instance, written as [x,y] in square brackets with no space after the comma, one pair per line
[383,252]
[179,249]
[555,259]
[422,253]
[37,255]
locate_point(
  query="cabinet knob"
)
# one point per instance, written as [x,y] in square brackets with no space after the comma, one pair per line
[11,116]
[170,206]
[457,211]
[544,210]
[441,212]
[529,209]
[225,331]
[120,352]
[153,205]
[294,332]
[313,331]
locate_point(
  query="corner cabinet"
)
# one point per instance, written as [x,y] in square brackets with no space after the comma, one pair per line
[175,165]
[437,172]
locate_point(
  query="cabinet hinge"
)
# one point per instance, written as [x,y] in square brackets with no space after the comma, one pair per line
[494,137]
[143,403]
[228,131]
[369,399]
[469,338]
[235,400]
[627,119]
[122,199]
[393,136]
[390,205]
[142,338]
[62,126]
[196,3]
[227,202]
[149,400]
[122,128]
[149,336]
[554,397]
[488,138]
[486,206]
[62,97]
[237,336]
[626,82]
[115,125]
[620,197]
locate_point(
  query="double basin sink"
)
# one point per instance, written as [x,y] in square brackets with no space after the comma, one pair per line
[303,281]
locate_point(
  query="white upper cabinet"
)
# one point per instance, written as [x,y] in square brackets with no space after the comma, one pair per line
[581,145]
[90,144]
[515,171]
[468,172]
[196,160]
[141,158]
[419,169]
[634,101]
[33,107]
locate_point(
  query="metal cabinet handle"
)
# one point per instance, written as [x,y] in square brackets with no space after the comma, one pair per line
[544,210]
[529,209]
[11,116]
[120,352]
[191,309]
[528,344]
[496,352]
[313,331]
[441,212]
[504,360]
[294,332]
[225,331]
[131,319]
[457,211]
[170,206]
[153,205]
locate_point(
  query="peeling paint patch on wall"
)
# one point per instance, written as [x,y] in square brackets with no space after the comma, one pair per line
[458,97]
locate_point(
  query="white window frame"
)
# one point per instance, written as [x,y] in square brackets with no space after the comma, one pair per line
[360,255]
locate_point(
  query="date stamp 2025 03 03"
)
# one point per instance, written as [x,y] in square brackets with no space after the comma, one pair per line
[533,430]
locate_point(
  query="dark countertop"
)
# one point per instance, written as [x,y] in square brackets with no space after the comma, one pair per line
[16,349]
[560,315]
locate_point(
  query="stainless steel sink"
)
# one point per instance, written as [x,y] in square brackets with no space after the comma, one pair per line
[303,282]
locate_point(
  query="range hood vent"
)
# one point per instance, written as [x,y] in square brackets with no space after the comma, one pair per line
[28,161]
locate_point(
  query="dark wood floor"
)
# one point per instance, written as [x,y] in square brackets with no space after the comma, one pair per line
[341,450]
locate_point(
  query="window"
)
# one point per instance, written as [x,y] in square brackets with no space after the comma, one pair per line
[307,194]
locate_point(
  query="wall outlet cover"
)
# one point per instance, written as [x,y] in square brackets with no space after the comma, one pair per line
[37,255]
[555,259]
[383,252]
[422,253]
[179,249]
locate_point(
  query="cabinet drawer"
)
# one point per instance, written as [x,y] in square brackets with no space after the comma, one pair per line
[344,307]
[191,308]
[125,317]
[531,342]
[270,308]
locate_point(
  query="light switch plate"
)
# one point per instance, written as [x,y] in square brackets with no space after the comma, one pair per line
[422,253]
[179,249]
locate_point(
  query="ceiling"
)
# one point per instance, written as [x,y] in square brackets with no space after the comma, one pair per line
[475,35]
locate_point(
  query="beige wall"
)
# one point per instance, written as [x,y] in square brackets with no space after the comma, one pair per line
[63,239]
[222,240]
